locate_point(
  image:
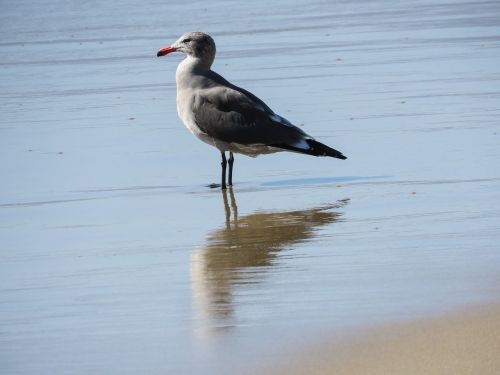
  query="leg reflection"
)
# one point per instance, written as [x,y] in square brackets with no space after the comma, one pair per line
[227,208]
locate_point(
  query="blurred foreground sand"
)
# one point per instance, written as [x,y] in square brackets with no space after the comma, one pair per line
[459,343]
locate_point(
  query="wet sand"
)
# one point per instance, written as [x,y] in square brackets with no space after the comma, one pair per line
[460,343]
[115,257]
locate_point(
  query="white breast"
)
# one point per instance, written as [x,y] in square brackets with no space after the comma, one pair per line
[185,101]
[184,105]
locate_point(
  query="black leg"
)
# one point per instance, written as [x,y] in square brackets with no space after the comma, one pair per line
[231,162]
[223,165]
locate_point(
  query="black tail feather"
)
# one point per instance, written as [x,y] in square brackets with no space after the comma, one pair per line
[316,149]
[320,149]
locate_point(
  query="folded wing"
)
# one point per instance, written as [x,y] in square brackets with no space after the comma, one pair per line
[237,116]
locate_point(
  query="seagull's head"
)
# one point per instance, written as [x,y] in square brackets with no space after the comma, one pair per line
[194,44]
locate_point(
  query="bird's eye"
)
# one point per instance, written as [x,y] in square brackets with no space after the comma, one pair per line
[187,40]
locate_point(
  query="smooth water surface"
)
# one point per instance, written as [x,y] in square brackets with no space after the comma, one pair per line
[115,258]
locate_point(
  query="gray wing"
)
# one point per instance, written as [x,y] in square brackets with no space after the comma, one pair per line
[232,114]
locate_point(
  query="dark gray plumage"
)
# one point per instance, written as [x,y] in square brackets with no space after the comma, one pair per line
[227,116]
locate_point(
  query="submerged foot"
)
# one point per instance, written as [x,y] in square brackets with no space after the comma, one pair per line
[216,186]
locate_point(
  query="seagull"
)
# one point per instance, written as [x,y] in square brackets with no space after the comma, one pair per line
[228,117]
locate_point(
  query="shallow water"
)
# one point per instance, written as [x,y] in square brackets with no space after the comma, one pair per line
[115,256]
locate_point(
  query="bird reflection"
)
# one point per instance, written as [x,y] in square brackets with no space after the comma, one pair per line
[242,252]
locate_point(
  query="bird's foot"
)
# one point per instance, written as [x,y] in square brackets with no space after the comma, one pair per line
[214,186]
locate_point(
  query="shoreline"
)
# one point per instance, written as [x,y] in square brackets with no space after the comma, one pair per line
[459,342]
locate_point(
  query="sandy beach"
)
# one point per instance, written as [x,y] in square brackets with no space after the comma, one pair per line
[461,342]
[116,257]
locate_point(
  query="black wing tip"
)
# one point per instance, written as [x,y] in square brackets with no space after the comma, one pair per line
[316,149]
[320,149]
[332,155]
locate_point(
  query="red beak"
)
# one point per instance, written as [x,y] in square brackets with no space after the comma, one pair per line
[166,50]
